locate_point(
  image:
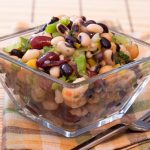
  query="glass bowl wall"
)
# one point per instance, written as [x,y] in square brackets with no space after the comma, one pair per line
[89,104]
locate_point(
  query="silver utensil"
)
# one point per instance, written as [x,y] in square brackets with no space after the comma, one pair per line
[142,124]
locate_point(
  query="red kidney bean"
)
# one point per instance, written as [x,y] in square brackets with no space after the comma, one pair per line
[49,63]
[39,42]
[92,73]
[51,56]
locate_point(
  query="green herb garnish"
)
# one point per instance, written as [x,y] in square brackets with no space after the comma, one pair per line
[25,44]
[48,49]
[121,57]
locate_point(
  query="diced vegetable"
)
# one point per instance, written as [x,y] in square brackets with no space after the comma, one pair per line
[80,60]
[121,39]
[25,44]
[65,21]
[51,28]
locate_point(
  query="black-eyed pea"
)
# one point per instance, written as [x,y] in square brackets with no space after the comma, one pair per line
[65,48]
[125,51]
[49,105]
[62,29]
[133,50]
[31,54]
[107,36]
[57,39]
[84,39]
[108,57]
[55,71]
[94,28]
[89,54]
[113,47]
[80,112]
[58,97]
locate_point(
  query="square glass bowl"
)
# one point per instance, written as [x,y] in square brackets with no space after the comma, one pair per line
[92,103]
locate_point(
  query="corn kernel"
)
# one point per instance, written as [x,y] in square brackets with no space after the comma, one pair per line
[32,63]
[91,62]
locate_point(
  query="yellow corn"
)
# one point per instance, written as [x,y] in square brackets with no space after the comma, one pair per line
[91,62]
[32,63]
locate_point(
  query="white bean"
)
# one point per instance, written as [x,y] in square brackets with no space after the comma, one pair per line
[55,71]
[31,54]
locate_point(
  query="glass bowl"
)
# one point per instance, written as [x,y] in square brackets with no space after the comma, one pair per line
[90,103]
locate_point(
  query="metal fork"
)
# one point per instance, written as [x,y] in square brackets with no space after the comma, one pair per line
[142,124]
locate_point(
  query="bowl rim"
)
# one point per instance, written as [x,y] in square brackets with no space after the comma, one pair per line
[63,83]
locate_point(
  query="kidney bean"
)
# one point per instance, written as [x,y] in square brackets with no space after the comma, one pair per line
[49,63]
[51,56]
[39,42]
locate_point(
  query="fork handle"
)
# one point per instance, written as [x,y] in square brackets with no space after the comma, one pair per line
[101,137]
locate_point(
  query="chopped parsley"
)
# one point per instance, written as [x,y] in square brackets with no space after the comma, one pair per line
[121,57]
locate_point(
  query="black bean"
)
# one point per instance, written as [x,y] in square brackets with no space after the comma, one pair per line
[75,28]
[70,25]
[62,28]
[90,34]
[66,70]
[112,56]
[17,53]
[71,40]
[105,43]
[53,20]
[117,47]
[105,28]
[83,18]
[86,23]
[99,57]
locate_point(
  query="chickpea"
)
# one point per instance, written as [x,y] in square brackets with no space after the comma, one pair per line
[133,50]
[125,51]
[105,69]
